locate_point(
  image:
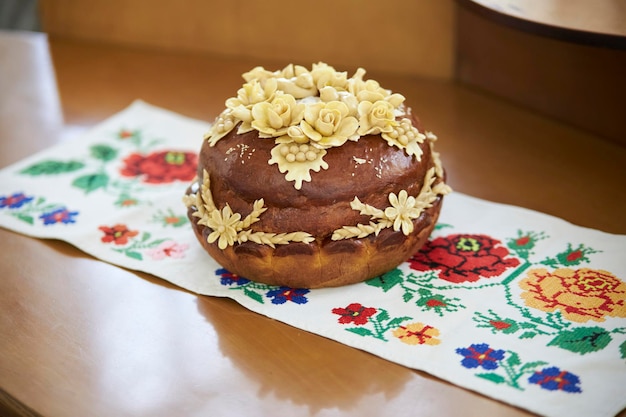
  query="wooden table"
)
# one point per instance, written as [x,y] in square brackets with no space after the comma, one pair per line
[79,337]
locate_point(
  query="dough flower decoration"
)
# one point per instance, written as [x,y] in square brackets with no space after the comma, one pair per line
[261,74]
[224,225]
[329,124]
[297,81]
[253,92]
[224,123]
[328,94]
[320,107]
[273,118]
[402,211]
[377,117]
[325,75]
[400,214]
[298,161]
[248,95]
[228,228]
[405,136]
[370,90]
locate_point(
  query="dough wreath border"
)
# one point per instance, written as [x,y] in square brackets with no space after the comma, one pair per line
[229,228]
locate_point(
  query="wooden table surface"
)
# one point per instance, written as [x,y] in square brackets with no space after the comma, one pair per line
[79,337]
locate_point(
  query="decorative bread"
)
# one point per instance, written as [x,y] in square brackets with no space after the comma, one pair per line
[311,178]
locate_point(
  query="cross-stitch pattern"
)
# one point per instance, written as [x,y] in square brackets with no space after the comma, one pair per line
[514,304]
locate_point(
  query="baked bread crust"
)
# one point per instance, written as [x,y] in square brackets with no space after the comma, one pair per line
[318,186]
[369,169]
[329,264]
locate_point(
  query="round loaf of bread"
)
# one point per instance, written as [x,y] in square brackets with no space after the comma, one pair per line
[311,179]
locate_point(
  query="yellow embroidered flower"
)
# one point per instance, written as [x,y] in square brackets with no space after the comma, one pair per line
[225,226]
[417,334]
[402,211]
[406,136]
[273,118]
[329,124]
[325,75]
[579,294]
[376,117]
[298,160]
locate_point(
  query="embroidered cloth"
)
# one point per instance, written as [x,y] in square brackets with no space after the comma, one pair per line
[514,304]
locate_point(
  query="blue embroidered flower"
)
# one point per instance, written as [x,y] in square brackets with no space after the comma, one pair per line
[480,355]
[228,278]
[554,379]
[61,215]
[16,200]
[283,294]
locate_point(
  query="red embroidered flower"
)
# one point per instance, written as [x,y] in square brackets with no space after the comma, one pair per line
[354,313]
[574,256]
[461,258]
[161,167]
[118,234]
[125,134]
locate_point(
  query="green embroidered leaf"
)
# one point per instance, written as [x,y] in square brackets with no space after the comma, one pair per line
[407,296]
[582,340]
[134,255]
[551,262]
[387,281]
[528,335]
[622,350]
[103,152]
[396,321]
[25,218]
[383,315]
[498,379]
[91,182]
[156,242]
[254,295]
[361,331]
[531,366]
[513,359]
[145,237]
[51,167]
